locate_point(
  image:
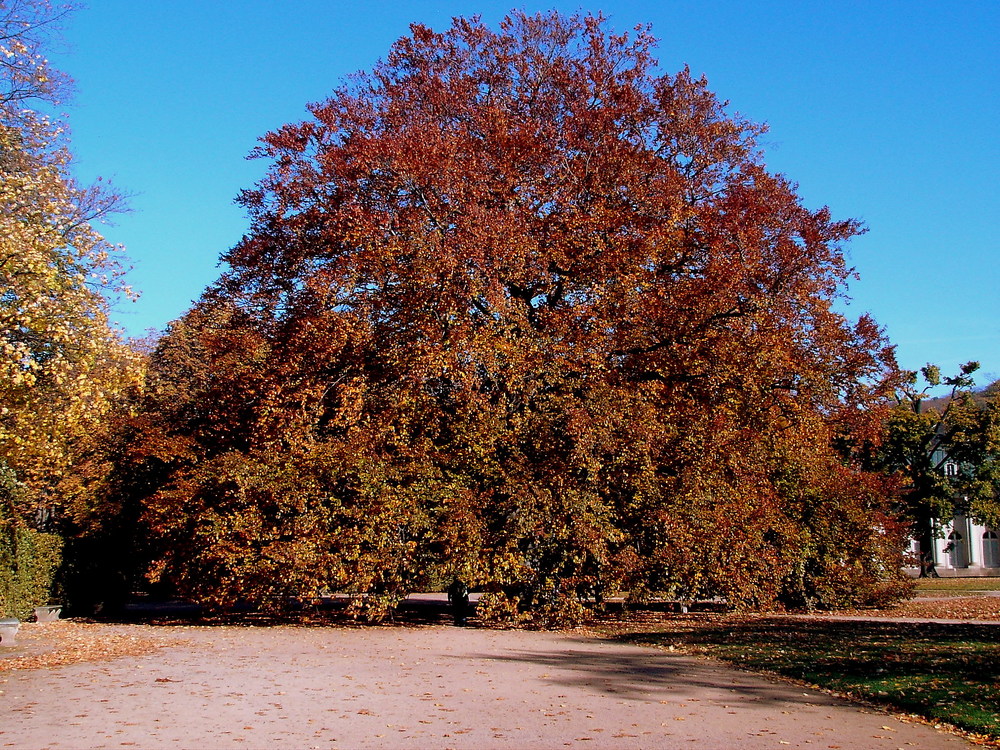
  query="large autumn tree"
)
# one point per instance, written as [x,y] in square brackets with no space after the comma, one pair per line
[516,308]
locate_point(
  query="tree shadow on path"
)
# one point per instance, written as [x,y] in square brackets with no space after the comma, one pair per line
[633,674]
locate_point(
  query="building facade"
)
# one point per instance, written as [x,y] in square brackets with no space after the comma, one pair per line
[962,547]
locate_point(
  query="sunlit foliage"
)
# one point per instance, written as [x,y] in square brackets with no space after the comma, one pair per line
[62,366]
[515,308]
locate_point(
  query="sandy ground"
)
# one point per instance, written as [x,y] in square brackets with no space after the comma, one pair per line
[407,687]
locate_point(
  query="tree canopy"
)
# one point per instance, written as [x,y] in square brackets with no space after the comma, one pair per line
[516,308]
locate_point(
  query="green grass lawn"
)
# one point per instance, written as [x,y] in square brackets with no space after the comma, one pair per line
[957,585]
[945,673]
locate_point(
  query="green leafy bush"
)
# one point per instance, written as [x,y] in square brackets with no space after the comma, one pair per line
[28,564]
[28,559]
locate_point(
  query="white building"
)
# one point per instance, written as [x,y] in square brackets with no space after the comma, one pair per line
[964,548]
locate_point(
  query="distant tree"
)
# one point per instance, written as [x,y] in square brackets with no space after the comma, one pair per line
[945,449]
[974,446]
[515,310]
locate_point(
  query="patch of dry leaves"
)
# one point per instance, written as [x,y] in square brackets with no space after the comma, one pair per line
[55,644]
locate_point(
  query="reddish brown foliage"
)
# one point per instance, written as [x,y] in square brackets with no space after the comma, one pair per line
[515,309]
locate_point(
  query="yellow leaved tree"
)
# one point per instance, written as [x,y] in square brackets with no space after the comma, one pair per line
[62,364]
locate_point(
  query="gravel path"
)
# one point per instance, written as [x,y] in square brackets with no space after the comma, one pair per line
[421,687]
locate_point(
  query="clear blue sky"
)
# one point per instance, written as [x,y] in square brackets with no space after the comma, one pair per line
[886,111]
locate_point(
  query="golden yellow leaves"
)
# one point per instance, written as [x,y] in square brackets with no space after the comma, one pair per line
[61,363]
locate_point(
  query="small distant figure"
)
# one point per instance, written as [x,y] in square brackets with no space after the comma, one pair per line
[458,595]
[927,565]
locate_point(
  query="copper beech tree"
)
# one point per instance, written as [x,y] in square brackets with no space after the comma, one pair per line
[517,309]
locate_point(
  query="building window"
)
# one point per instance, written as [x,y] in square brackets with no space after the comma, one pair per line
[991,549]
[951,469]
[956,550]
